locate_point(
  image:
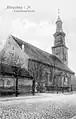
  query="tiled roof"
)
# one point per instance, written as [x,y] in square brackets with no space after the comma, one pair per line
[37,54]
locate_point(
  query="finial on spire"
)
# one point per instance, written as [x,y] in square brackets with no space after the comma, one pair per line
[58,19]
[58,12]
[59,22]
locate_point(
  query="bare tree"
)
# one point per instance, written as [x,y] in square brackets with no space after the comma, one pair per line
[12,58]
[36,70]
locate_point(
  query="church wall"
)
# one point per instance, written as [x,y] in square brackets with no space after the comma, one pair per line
[59,80]
[73,82]
[41,72]
[56,80]
[7,82]
[40,75]
[24,85]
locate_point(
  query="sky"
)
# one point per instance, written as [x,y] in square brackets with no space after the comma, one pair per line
[38,25]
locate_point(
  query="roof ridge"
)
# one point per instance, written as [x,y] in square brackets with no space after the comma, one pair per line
[34,46]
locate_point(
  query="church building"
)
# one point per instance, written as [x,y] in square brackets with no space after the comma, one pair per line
[47,69]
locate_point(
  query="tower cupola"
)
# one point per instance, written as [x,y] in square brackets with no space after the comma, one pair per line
[59,49]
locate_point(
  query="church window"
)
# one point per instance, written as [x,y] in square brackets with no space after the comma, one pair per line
[65,57]
[50,76]
[13,48]
[56,53]
[65,81]
[23,47]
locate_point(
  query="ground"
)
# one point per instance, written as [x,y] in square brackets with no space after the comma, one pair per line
[40,106]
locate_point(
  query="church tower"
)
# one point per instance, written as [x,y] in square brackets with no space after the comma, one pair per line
[59,49]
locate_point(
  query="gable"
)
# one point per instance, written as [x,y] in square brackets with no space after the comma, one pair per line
[12,51]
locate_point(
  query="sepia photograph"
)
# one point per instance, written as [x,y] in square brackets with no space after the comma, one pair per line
[38,59]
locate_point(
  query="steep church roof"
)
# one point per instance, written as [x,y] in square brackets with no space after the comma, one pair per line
[39,55]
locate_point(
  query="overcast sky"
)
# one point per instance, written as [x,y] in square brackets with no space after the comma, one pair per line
[39,26]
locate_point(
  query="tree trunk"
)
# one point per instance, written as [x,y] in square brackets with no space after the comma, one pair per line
[16,87]
[33,87]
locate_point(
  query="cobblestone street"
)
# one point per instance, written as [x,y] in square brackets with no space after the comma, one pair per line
[46,106]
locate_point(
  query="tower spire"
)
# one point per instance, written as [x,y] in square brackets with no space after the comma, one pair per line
[60,48]
[58,19]
[58,12]
[59,23]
